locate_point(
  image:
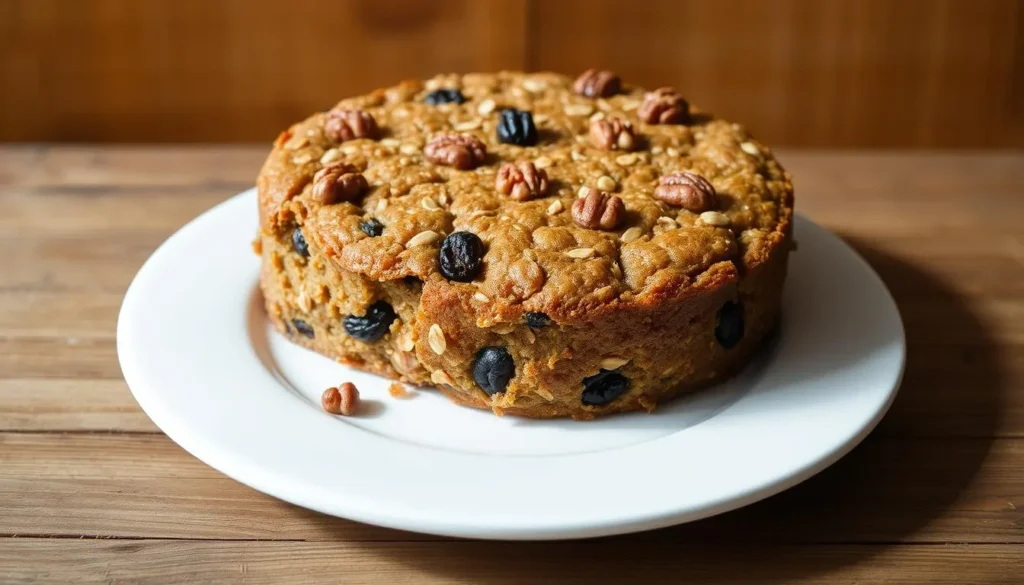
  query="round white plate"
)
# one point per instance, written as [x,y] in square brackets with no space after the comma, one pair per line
[201,359]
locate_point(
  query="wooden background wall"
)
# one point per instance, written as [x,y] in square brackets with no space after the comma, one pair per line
[841,73]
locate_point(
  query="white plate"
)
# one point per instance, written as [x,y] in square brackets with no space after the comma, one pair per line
[198,354]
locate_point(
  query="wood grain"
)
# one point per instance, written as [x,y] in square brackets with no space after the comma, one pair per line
[120,70]
[932,490]
[479,563]
[802,72]
[933,496]
[943,73]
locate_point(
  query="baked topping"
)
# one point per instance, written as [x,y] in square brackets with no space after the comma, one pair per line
[305,329]
[348,124]
[493,369]
[461,256]
[537,320]
[420,202]
[606,183]
[715,218]
[444,96]
[397,390]
[593,84]
[597,210]
[521,181]
[436,339]
[687,190]
[299,243]
[729,328]
[664,105]
[341,400]
[462,151]
[338,182]
[373,325]
[604,387]
[612,134]
[372,227]
[516,127]
[424,238]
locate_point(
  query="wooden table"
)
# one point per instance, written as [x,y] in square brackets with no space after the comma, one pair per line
[90,490]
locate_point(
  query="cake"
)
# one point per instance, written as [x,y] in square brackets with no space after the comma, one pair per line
[527,243]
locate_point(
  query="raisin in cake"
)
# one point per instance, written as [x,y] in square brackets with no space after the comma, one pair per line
[526,243]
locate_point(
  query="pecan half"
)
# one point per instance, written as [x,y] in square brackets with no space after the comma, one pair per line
[462,151]
[687,190]
[521,181]
[593,83]
[343,124]
[338,182]
[612,134]
[343,399]
[598,210]
[664,105]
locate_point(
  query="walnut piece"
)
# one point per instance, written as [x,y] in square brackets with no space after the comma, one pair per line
[664,105]
[612,134]
[521,181]
[593,83]
[687,190]
[597,210]
[338,182]
[343,124]
[341,400]
[462,151]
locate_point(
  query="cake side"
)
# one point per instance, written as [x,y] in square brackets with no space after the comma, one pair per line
[562,301]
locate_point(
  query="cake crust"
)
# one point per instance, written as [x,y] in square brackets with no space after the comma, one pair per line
[644,295]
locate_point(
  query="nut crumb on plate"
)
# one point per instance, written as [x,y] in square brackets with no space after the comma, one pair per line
[343,399]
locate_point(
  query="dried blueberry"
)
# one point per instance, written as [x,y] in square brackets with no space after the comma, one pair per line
[304,328]
[493,369]
[444,96]
[729,330]
[373,325]
[461,256]
[372,227]
[537,320]
[299,243]
[516,127]
[603,387]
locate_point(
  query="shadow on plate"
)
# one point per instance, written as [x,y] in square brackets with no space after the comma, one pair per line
[891,489]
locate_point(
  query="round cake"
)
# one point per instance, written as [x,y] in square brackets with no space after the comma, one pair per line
[531,244]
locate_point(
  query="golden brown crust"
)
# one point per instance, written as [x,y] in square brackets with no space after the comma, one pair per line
[650,289]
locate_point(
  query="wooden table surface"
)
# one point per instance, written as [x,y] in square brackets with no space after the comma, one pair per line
[90,490]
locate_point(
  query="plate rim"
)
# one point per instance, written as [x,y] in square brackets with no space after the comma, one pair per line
[251,474]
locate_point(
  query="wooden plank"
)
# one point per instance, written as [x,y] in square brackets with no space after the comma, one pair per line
[100,264]
[70,358]
[165,166]
[802,72]
[928,490]
[70,405]
[575,562]
[17,161]
[226,69]
[27,312]
[77,213]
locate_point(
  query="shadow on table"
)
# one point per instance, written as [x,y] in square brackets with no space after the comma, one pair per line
[888,490]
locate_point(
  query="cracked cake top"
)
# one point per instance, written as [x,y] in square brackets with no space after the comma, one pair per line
[585,194]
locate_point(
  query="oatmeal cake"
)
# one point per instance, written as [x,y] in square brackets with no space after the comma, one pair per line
[531,244]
